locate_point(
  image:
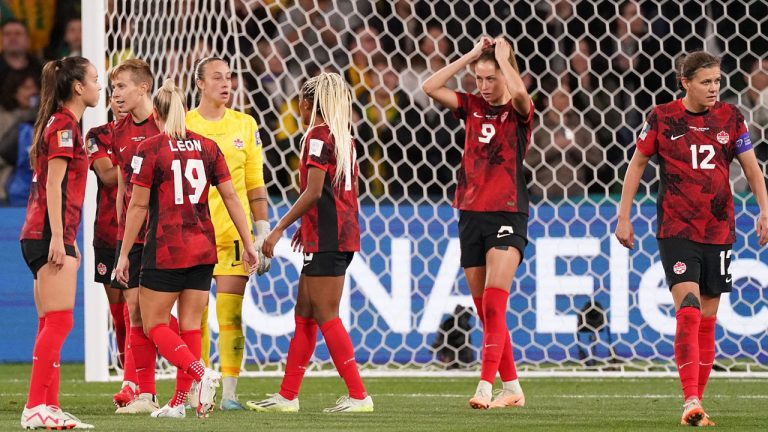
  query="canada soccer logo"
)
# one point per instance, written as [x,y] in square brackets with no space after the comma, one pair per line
[722,137]
[239,144]
[102,269]
[679,268]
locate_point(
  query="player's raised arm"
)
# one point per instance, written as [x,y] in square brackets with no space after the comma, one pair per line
[435,87]
[505,56]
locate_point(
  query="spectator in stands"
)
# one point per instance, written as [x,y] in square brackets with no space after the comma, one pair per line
[15,54]
[363,45]
[72,42]
[18,105]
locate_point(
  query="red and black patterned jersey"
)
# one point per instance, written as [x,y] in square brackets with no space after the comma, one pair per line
[126,137]
[332,225]
[61,139]
[491,176]
[178,174]
[99,144]
[695,151]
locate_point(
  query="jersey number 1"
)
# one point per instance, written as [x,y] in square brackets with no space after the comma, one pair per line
[195,174]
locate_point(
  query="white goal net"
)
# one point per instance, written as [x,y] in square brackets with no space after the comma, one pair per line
[580,302]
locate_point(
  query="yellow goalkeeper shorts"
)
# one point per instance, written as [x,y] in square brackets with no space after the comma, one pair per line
[230,259]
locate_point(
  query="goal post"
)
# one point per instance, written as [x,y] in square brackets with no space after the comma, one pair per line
[581,305]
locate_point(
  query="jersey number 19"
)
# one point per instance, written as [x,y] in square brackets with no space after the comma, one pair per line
[195,174]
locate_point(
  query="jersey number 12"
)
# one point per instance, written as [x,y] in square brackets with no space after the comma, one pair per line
[195,174]
[708,150]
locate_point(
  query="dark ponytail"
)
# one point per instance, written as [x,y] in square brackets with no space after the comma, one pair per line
[58,78]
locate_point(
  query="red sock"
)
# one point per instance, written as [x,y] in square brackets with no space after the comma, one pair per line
[173,348]
[46,356]
[507,369]
[183,379]
[173,324]
[144,355]
[687,350]
[495,333]
[118,321]
[299,353]
[129,367]
[343,356]
[40,324]
[52,395]
[706,351]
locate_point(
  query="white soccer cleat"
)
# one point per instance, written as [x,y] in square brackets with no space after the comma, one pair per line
[482,397]
[350,405]
[169,411]
[206,394]
[192,397]
[274,403]
[507,398]
[144,404]
[79,424]
[693,413]
[41,417]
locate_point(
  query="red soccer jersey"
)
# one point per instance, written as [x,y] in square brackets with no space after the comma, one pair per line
[99,144]
[61,138]
[332,224]
[178,174]
[491,176]
[126,137]
[695,151]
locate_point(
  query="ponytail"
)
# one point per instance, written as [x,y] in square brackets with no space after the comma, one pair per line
[57,80]
[170,104]
[332,98]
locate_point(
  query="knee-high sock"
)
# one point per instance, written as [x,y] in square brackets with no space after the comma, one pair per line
[507,369]
[46,356]
[118,323]
[205,339]
[495,333]
[183,379]
[144,355]
[343,356]
[129,367]
[172,347]
[299,353]
[687,350]
[229,309]
[706,351]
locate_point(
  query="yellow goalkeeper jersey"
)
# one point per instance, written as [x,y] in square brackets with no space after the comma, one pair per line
[237,135]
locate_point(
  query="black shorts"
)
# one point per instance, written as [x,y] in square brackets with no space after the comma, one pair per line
[177,280]
[134,265]
[35,253]
[105,264]
[479,232]
[705,264]
[326,263]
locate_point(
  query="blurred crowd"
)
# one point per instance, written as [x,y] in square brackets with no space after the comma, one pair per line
[594,70]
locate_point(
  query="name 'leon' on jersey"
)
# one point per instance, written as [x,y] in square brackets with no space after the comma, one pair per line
[695,151]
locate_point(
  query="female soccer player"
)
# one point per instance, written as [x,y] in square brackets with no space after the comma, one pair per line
[329,235]
[131,89]
[60,164]
[695,138]
[492,199]
[171,174]
[99,144]
[237,136]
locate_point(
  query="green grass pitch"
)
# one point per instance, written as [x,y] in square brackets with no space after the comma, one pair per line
[414,404]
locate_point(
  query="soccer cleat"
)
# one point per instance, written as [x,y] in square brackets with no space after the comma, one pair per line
[693,413]
[192,397]
[482,397]
[41,417]
[206,392]
[231,405]
[506,398]
[169,411]
[125,396]
[705,421]
[274,403]
[348,404]
[69,417]
[144,404]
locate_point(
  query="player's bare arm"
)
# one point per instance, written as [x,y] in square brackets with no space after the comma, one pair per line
[624,232]
[756,180]
[232,203]
[435,87]
[106,172]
